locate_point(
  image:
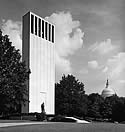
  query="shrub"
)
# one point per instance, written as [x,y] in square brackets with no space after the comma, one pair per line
[40,116]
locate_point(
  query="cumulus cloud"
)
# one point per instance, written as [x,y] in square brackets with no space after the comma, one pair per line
[117,64]
[83,71]
[103,47]
[69,38]
[105,69]
[13,29]
[68,34]
[122,81]
[115,67]
[62,65]
[93,64]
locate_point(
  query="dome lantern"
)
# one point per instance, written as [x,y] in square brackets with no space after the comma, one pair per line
[107,91]
[107,83]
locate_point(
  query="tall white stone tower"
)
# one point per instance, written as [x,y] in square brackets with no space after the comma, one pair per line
[38,53]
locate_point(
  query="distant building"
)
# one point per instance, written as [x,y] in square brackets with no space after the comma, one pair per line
[107,92]
[39,54]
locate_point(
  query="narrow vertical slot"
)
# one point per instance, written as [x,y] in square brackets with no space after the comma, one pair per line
[46,24]
[42,28]
[52,33]
[35,25]
[32,24]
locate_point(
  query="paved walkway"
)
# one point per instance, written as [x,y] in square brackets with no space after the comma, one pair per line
[22,123]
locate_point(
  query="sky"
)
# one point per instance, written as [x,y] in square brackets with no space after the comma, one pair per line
[90,37]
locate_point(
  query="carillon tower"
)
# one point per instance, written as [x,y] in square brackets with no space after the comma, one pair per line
[39,54]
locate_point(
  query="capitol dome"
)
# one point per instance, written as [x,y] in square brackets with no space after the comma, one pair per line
[107,92]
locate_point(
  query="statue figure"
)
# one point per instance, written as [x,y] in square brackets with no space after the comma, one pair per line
[43,108]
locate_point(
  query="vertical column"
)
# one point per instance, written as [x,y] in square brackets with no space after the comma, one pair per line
[39,28]
[50,32]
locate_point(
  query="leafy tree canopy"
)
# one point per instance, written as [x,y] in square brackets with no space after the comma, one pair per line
[13,75]
[69,92]
[95,101]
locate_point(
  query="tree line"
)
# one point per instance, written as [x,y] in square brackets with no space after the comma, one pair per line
[71,100]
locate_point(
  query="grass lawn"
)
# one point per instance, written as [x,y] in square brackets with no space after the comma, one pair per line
[67,127]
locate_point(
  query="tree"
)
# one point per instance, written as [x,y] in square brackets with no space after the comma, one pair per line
[95,101]
[113,108]
[69,96]
[118,109]
[13,75]
[106,109]
[84,105]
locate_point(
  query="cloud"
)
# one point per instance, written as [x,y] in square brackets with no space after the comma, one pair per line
[63,65]
[103,47]
[83,71]
[93,64]
[69,38]
[119,87]
[122,81]
[13,29]
[115,67]
[105,69]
